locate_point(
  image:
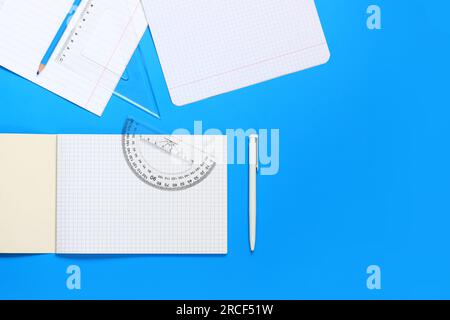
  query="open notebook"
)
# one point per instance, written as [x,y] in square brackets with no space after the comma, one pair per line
[90,58]
[209,47]
[113,194]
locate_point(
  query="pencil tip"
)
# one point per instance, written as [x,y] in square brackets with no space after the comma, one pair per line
[41,67]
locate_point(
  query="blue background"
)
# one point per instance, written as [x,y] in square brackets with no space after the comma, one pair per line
[364,176]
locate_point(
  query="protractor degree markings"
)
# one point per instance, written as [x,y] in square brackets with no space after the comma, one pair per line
[147,171]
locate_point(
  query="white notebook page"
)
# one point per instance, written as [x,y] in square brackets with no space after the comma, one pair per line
[27,28]
[103,207]
[209,47]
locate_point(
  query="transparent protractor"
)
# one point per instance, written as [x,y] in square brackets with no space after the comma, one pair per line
[164,161]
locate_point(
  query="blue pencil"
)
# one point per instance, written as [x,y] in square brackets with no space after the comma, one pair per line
[58,37]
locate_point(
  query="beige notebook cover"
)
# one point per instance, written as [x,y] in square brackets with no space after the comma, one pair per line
[27,193]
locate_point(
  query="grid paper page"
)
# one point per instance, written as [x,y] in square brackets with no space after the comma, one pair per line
[27,28]
[104,208]
[209,47]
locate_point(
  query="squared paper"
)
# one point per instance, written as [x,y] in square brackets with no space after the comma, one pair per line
[209,47]
[102,207]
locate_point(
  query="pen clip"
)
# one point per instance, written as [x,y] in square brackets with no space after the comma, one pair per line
[254,156]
